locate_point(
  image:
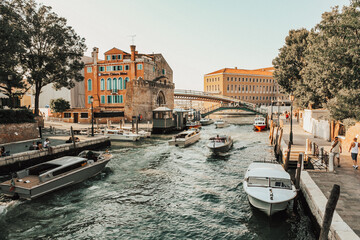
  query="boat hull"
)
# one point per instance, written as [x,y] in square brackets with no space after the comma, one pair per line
[221,125]
[259,127]
[221,149]
[206,123]
[266,207]
[125,138]
[68,179]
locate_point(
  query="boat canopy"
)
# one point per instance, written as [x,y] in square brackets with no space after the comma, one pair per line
[267,170]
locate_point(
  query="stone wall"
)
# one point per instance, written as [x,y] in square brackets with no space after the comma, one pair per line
[18,132]
[141,98]
[352,132]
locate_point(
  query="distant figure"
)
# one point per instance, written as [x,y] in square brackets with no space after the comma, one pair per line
[46,143]
[4,153]
[34,146]
[287,116]
[354,148]
[70,140]
[336,150]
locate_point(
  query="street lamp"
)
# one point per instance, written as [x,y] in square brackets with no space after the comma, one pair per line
[271,117]
[278,111]
[92,115]
[292,97]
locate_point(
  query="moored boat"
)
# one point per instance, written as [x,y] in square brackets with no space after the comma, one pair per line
[220,144]
[269,187]
[206,121]
[141,133]
[259,123]
[119,135]
[221,123]
[49,176]
[185,138]
[193,124]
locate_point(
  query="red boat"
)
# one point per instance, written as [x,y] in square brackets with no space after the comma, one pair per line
[259,123]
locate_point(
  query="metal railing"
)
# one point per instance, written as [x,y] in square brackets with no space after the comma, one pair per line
[320,156]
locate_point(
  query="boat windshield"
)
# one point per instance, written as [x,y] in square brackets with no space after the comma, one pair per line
[272,182]
[258,182]
[280,183]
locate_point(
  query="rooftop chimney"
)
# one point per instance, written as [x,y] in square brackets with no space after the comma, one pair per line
[132,47]
[95,54]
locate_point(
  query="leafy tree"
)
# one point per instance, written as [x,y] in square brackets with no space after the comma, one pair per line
[11,50]
[59,105]
[289,64]
[53,49]
[333,60]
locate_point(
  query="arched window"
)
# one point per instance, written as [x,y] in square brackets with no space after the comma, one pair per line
[120,83]
[125,82]
[160,100]
[102,84]
[89,83]
[115,88]
[109,84]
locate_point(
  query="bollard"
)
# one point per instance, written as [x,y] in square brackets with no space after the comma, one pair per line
[313,148]
[331,162]
[321,154]
[329,212]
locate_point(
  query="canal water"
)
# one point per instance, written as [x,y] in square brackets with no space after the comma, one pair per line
[150,190]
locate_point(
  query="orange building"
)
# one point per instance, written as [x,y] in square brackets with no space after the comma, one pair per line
[106,80]
[256,86]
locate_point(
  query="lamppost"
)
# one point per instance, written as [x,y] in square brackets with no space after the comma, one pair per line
[291,108]
[92,115]
[278,111]
[271,117]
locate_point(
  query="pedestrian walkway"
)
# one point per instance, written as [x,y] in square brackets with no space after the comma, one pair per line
[348,206]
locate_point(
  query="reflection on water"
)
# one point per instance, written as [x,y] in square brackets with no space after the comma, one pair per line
[151,190]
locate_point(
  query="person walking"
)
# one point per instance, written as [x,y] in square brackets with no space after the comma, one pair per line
[336,150]
[354,149]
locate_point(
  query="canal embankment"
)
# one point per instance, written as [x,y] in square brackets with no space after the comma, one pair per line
[316,185]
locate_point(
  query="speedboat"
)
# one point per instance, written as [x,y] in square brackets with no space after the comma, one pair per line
[259,123]
[221,123]
[185,138]
[193,124]
[119,135]
[206,121]
[269,187]
[220,144]
[142,133]
[49,176]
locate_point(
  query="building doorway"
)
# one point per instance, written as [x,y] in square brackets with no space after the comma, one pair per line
[160,100]
[76,117]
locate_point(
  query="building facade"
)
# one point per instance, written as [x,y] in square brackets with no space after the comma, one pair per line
[107,81]
[256,86]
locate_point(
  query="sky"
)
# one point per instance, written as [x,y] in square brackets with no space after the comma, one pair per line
[196,37]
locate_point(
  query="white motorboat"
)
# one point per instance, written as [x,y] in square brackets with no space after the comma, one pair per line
[142,133]
[206,121]
[259,123]
[221,123]
[193,124]
[269,187]
[119,135]
[220,144]
[185,138]
[49,176]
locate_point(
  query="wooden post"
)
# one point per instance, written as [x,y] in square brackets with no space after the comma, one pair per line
[137,124]
[321,154]
[298,170]
[313,148]
[286,165]
[279,141]
[329,212]
[72,136]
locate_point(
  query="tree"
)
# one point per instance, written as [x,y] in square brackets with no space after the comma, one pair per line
[289,64]
[333,60]
[59,105]
[53,49]
[11,51]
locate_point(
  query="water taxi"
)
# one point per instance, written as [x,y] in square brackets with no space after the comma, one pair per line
[269,187]
[119,135]
[206,121]
[49,176]
[220,144]
[185,138]
[221,123]
[259,123]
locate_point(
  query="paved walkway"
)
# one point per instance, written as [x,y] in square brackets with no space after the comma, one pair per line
[348,206]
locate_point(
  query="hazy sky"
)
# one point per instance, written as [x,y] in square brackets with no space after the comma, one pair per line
[195,36]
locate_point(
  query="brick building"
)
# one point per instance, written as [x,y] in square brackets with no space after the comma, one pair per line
[256,86]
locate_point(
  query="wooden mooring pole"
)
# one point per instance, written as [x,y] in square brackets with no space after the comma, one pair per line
[72,136]
[329,212]
[297,178]
[287,160]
